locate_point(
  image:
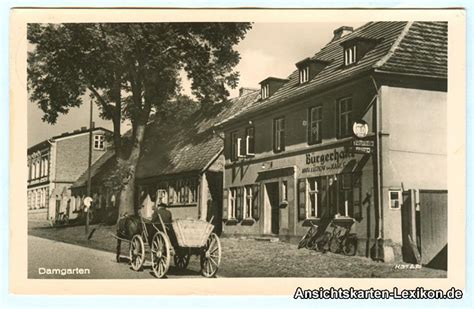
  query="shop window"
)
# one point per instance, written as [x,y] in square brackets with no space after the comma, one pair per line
[250,141]
[279,134]
[99,142]
[344,123]
[315,120]
[350,55]
[395,197]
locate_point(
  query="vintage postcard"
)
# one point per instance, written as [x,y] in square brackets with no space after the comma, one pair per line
[310,153]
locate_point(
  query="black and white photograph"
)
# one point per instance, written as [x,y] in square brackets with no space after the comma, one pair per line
[175,150]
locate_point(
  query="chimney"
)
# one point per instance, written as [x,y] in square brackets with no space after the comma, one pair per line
[243,91]
[341,31]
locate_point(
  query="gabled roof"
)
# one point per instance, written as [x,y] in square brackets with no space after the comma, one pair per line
[101,166]
[423,50]
[172,147]
[187,147]
[401,47]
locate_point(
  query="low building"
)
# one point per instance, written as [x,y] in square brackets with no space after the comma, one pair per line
[181,165]
[54,165]
[292,157]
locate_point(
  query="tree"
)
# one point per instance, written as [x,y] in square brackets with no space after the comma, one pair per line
[132,70]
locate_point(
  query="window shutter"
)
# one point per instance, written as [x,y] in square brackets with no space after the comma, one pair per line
[239,204]
[301,199]
[242,147]
[255,202]
[225,204]
[282,135]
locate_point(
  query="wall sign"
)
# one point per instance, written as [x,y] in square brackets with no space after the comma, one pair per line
[360,128]
[328,162]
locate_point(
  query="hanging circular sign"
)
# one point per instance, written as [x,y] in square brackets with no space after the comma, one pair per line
[360,128]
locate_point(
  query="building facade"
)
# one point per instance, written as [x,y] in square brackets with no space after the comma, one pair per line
[181,165]
[292,157]
[54,165]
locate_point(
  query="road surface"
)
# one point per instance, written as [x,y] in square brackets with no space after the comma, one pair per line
[49,259]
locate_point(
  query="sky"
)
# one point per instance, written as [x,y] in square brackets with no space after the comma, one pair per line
[269,49]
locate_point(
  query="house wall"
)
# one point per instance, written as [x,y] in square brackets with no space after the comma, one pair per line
[414,146]
[72,157]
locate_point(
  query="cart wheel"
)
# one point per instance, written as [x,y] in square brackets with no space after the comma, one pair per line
[334,245]
[349,246]
[181,260]
[160,254]
[137,252]
[211,256]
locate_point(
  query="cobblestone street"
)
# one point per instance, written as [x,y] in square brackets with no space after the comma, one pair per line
[251,258]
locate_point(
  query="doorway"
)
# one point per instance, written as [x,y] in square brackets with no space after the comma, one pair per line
[273,206]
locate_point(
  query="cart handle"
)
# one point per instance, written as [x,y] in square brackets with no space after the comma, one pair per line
[212,218]
[163,225]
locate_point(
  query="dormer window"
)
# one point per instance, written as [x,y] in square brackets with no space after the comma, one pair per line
[265,91]
[308,68]
[270,85]
[355,49]
[350,55]
[304,74]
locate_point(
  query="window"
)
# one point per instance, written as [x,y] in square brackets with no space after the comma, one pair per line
[344,118]
[345,195]
[312,207]
[181,192]
[248,204]
[350,55]
[37,169]
[304,74]
[250,141]
[265,91]
[284,190]
[232,202]
[395,197]
[234,146]
[279,134]
[315,124]
[99,141]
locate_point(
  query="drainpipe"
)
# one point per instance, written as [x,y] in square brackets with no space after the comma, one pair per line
[378,174]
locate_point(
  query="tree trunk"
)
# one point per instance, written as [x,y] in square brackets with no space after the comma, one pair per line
[127,203]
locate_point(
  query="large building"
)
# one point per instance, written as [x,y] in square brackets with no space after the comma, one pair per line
[292,157]
[54,165]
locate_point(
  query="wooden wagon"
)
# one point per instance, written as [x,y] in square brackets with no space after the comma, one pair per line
[180,239]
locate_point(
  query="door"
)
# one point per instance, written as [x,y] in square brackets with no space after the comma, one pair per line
[433,228]
[274,201]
